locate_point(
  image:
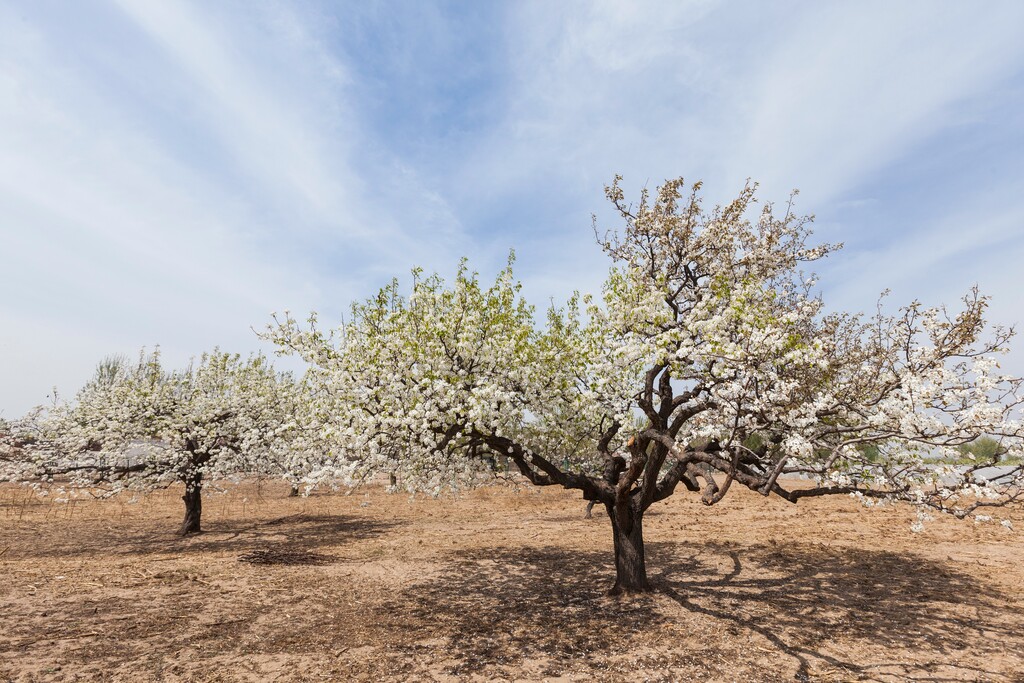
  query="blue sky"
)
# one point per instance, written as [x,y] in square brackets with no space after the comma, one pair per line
[172,172]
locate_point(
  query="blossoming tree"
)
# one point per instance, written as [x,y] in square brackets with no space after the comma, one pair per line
[298,453]
[708,362]
[140,427]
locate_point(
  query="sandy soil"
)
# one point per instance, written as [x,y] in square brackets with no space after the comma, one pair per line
[499,585]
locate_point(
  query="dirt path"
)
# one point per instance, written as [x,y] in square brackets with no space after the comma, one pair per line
[498,585]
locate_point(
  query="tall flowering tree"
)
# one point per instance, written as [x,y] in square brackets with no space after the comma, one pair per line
[141,427]
[708,362]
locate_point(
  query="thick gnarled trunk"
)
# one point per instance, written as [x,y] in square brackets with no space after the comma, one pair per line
[193,504]
[630,564]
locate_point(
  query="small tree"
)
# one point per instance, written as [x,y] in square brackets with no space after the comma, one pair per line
[12,442]
[984,448]
[138,426]
[21,440]
[710,337]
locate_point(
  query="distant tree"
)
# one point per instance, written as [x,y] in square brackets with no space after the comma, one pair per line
[140,427]
[709,333]
[984,448]
[871,452]
[10,443]
[19,440]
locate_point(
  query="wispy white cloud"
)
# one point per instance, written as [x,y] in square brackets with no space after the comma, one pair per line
[939,263]
[846,88]
[110,242]
[183,213]
[836,99]
[283,123]
[172,171]
[818,95]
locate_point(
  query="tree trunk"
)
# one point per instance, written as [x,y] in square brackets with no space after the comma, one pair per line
[630,565]
[294,492]
[193,504]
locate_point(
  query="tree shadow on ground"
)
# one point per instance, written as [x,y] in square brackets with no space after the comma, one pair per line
[292,533]
[805,606]
[807,599]
[501,606]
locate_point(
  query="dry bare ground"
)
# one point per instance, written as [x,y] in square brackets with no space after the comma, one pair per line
[499,585]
